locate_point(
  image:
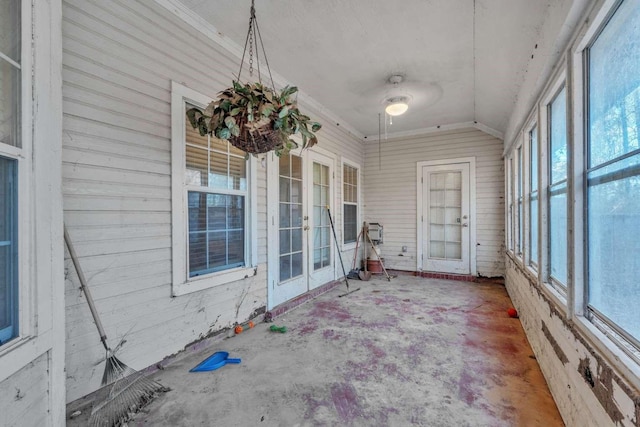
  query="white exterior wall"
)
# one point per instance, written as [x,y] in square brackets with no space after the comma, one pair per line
[119,60]
[390,193]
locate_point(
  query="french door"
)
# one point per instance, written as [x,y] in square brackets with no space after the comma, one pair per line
[303,257]
[446,218]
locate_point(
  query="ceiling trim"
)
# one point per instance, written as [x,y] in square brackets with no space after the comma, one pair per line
[190,17]
[440,128]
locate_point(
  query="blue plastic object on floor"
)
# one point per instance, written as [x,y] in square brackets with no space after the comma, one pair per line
[215,361]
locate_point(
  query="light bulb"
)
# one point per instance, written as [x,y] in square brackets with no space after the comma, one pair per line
[396,106]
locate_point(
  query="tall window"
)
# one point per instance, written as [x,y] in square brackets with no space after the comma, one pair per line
[350,203]
[519,217]
[510,204]
[10,143]
[533,197]
[557,192]
[216,185]
[613,172]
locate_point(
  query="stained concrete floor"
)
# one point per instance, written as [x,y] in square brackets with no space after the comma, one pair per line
[411,351]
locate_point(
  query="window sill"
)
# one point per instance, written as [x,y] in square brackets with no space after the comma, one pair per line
[201,283]
[15,352]
[622,363]
[348,246]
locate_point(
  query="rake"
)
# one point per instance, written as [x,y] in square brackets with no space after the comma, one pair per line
[124,390]
[335,239]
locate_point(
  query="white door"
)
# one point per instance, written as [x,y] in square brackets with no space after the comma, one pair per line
[446,218]
[300,238]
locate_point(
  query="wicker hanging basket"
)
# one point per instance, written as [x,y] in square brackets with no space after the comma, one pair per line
[257,141]
[254,117]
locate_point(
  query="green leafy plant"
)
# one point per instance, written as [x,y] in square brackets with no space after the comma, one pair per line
[255,119]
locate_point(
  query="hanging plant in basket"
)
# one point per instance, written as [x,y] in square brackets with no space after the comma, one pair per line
[256,119]
[253,117]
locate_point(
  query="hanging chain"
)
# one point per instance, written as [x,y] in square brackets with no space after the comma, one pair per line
[253,36]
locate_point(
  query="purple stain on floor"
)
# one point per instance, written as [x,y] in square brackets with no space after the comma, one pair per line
[330,334]
[466,390]
[415,352]
[346,401]
[331,310]
[390,323]
[373,349]
[360,371]
[313,405]
[391,370]
[307,327]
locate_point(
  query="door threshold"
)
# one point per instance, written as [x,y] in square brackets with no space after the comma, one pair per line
[447,276]
[286,306]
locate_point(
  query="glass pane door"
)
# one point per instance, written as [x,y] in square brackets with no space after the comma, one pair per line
[290,225]
[445,237]
[321,225]
[446,218]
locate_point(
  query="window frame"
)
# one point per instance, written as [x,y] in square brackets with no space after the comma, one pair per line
[510,208]
[603,338]
[27,306]
[183,284]
[559,84]
[355,165]
[528,237]
[626,342]
[519,205]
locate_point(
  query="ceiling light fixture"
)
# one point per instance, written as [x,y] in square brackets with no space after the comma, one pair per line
[396,104]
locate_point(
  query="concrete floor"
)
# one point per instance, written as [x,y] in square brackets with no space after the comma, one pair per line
[407,352]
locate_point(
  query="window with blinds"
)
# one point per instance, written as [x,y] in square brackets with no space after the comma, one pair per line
[216,186]
[350,203]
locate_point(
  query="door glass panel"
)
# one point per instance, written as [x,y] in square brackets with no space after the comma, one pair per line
[445,198]
[321,236]
[290,223]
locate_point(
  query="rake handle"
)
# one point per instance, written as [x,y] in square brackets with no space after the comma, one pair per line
[335,239]
[85,288]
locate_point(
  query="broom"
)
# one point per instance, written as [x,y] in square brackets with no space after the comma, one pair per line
[124,390]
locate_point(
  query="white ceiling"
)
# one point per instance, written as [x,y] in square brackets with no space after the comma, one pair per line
[463,60]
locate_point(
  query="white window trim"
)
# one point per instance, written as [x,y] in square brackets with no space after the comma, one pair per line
[532,124]
[27,306]
[182,284]
[518,178]
[508,221]
[558,290]
[350,246]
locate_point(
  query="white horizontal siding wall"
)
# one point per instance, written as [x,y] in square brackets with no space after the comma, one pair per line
[390,185]
[119,60]
[25,395]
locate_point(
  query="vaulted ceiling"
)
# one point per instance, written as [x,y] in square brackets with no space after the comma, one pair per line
[463,60]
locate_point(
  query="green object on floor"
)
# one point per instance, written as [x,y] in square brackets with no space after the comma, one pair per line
[281,329]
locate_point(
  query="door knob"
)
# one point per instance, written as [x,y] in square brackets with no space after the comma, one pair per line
[306,227]
[465,224]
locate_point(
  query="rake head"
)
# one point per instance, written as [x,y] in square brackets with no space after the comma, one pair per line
[125,391]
